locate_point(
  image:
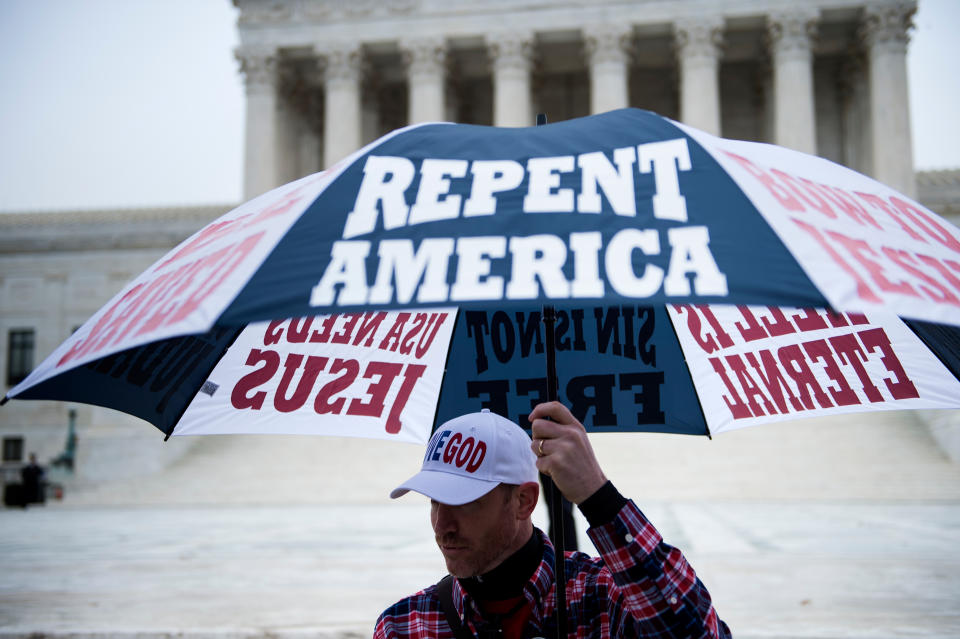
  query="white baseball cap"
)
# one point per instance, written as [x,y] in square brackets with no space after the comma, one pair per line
[469,456]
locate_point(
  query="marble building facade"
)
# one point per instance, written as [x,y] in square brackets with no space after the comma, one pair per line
[823,76]
[324,77]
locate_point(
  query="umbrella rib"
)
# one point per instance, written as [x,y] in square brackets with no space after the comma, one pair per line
[173,424]
[696,393]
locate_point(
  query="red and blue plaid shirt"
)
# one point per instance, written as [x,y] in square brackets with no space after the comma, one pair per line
[639,587]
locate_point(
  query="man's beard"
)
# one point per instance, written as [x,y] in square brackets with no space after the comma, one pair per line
[481,558]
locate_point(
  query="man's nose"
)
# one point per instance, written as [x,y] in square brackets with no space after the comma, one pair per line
[444,518]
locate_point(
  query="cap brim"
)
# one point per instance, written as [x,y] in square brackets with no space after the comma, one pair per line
[446,488]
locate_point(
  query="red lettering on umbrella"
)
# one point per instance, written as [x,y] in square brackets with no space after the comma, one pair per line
[350,369]
[240,397]
[384,372]
[736,404]
[924,222]
[694,325]
[370,391]
[777,190]
[768,382]
[773,380]
[864,291]
[170,297]
[304,387]
[900,385]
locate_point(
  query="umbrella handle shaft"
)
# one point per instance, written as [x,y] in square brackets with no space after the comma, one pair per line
[556,501]
[549,322]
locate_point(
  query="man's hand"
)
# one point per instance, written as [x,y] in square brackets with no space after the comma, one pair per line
[564,452]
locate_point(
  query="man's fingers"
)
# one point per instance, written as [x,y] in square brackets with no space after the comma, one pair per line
[563,451]
[537,447]
[560,450]
[552,420]
[542,466]
[551,410]
[545,429]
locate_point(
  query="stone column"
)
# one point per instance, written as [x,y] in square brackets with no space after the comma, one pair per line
[791,38]
[342,73]
[854,91]
[608,53]
[311,124]
[511,55]
[426,64]
[288,129]
[885,33]
[259,68]
[300,132]
[698,42]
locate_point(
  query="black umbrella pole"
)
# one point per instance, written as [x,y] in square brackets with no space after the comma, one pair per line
[556,502]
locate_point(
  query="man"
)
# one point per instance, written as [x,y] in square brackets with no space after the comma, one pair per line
[480,473]
[32,477]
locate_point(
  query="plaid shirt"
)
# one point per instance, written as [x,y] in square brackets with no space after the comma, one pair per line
[640,587]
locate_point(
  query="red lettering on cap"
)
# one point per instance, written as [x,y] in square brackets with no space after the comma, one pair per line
[451,448]
[465,451]
[477,458]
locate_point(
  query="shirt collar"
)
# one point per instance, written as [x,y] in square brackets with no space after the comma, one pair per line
[535,590]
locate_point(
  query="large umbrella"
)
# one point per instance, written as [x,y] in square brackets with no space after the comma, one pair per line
[632,226]
[617,220]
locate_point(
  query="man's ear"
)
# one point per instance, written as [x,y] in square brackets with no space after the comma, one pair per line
[527,495]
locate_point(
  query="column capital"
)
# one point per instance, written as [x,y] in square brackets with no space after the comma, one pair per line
[258,66]
[791,33]
[888,24]
[700,37]
[606,43]
[511,50]
[341,63]
[424,56]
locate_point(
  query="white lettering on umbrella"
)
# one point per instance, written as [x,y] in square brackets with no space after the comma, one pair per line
[473,277]
[620,254]
[386,180]
[536,263]
[434,201]
[616,183]
[489,177]
[691,255]
[544,194]
[399,263]
[537,257]
[632,262]
[347,269]
[586,266]
[662,159]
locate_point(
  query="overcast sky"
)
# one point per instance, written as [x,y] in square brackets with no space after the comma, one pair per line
[133,103]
